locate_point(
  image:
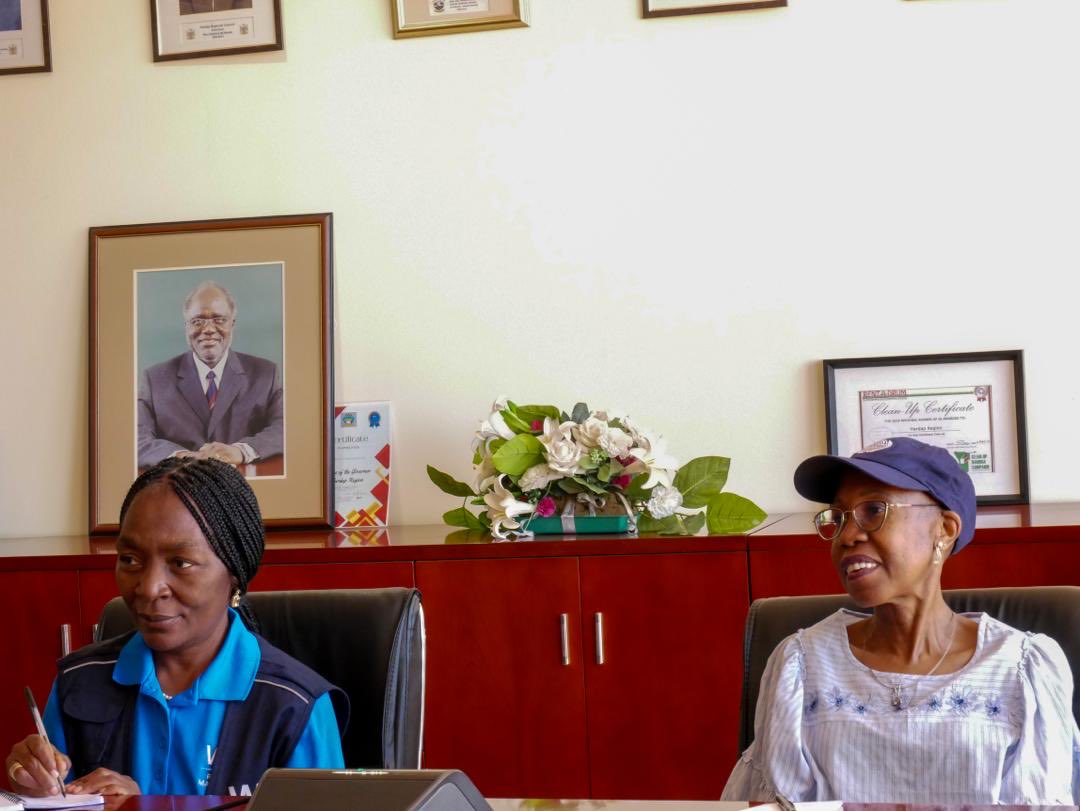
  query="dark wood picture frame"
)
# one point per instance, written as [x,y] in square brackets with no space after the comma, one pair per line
[45,66]
[161,54]
[298,491]
[1013,433]
[648,9]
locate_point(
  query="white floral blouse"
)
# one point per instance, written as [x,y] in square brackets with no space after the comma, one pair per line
[999,730]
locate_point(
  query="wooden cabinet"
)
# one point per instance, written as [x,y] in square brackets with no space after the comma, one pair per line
[314,576]
[503,703]
[35,605]
[659,708]
[663,705]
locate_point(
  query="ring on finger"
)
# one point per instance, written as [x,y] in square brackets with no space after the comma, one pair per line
[13,770]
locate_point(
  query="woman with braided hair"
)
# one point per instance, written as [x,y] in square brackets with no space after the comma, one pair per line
[193,701]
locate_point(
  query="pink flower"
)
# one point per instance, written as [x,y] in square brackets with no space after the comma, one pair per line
[623,481]
[545,507]
[537,425]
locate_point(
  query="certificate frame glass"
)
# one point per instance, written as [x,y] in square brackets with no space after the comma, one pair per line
[971,403]
[191,29]
[24,42]
[423,18]
[675,8]
[294,484]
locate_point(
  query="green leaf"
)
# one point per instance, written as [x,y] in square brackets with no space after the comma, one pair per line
[603,473]
[515,423]
[634,490]
[518,455]
[448,484]
[588,485]
[587,464]
[701,479]
[529,413]
[694,522]
[729,514]
[659,526]
[581,413]
[476,457]
[462,518]
[570,486]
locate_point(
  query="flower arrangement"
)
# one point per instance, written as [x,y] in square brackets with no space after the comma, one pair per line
[533,461]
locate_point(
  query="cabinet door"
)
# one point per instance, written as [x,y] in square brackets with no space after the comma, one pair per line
[663,707]
[34,606]
[96,587]
[501,705]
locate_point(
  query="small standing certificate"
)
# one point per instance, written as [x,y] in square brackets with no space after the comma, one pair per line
[361,464]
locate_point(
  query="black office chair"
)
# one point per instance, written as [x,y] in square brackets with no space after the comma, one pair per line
[1051,610]
[369,642]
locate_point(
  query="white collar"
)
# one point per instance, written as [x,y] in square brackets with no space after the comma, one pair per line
[203,369]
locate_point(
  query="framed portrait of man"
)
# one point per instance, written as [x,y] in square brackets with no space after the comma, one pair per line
[187,29]
[212,339]
[24,36]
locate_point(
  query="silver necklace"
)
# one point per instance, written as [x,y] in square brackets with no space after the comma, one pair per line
[897,687]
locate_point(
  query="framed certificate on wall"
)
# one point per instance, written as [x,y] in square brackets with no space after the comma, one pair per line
[971,404]
[187,29]
[24,36]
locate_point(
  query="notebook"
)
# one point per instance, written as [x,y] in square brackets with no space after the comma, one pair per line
[17,802]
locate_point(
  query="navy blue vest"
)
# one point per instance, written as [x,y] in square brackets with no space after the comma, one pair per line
[256,734]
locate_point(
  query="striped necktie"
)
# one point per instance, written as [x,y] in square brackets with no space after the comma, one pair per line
[211,389]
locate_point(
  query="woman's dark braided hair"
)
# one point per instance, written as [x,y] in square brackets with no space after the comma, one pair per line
[225,508]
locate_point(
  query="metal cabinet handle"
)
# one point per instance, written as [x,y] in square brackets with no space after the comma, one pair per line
[564,631]
[599,617]
[65,639]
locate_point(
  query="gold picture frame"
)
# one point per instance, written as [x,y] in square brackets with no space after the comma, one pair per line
[142,282]
[673,8]
[24,37]
[424,18]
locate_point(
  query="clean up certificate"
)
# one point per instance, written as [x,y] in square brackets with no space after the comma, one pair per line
[361,464]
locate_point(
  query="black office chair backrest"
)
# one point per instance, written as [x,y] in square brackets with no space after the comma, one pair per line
[369,642]
[1051,610]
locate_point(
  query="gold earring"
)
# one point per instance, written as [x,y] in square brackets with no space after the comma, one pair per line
[938,547]
[235,601]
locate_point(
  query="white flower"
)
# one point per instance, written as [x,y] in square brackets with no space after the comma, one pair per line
[652,456]
[503,508]
[494,427]
[596,433]
[616,443]
[537,476]
[563,453]
[484,471]
[664,501]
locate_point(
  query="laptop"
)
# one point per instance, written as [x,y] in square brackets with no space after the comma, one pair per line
[381,789]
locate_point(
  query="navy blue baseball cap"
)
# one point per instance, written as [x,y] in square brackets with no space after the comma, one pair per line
[900,462]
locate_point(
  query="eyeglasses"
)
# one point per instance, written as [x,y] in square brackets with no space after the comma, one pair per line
[869,517]
[217,321]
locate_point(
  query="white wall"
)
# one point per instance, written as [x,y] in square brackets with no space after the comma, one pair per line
[677,216]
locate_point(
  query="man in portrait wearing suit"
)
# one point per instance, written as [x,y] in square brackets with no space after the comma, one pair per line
[203,6]
[212,401]
[10,15]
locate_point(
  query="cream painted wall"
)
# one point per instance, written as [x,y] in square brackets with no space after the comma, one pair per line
[679,217]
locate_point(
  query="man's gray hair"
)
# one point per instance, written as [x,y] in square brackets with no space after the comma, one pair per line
[209,285]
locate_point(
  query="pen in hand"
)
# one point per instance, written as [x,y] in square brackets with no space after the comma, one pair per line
[41,731]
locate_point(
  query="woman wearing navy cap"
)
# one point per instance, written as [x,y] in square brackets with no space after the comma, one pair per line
[912,703]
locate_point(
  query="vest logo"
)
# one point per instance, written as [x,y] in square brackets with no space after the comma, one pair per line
[245,791]
[205,771]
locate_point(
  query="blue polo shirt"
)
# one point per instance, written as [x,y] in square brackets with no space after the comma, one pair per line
[176,739]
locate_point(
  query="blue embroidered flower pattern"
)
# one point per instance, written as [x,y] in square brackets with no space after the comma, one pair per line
[837,700]
[812,703]
[992,706]
[962,700]
[860,707]
[934,703]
